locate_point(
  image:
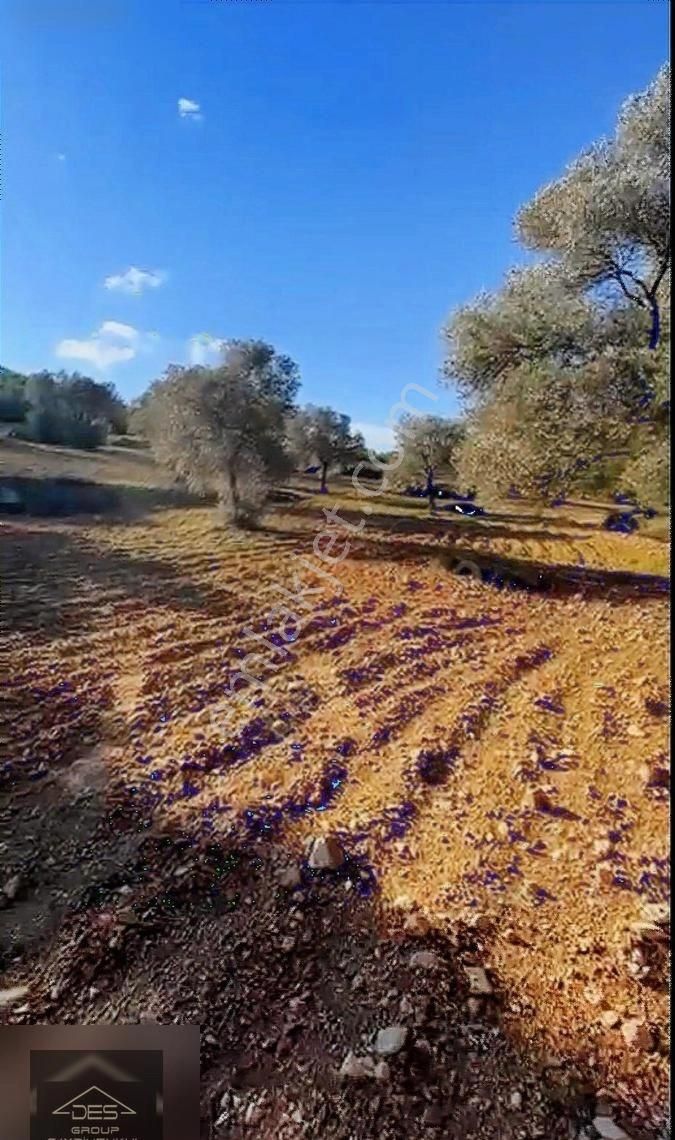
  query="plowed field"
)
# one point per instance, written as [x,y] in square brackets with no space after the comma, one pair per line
[483,756]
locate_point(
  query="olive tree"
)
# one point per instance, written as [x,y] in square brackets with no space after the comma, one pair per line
[323,436]
[607,219]
[222,429]
[535,316]
[567,365]
[545,427]
[426,445]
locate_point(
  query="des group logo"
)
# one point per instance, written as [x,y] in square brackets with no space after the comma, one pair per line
[108,1095]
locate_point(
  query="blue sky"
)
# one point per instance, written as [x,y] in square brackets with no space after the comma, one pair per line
[337,178]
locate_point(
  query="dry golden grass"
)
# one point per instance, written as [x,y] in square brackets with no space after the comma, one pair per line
[491,754]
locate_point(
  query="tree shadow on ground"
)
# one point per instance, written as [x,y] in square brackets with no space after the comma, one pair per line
[554,579]
[446,524]
[55,584]
[83,500]
[497,570]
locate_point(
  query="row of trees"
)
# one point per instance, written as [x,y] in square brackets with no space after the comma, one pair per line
[235,428]
[61,408]
[565,369]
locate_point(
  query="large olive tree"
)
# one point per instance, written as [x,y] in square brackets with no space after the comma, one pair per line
[567,365]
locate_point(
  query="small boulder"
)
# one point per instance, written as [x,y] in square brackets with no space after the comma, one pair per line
[326,854]
[391,1040]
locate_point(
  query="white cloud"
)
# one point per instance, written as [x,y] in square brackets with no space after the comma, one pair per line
[119,331]
[112,343]
[188,109]
[135,280]
[377,436]
[204,348]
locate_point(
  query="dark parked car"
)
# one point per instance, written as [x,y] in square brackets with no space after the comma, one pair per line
[466,508]
[623,522]
[11,502]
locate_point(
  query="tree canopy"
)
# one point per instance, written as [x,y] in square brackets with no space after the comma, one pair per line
[427,445]
[323,436]
[567,365]
[223,429]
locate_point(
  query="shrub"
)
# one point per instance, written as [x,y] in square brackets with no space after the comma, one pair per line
[55,426]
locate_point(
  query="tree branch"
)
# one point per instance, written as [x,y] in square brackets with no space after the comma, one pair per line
[662,271]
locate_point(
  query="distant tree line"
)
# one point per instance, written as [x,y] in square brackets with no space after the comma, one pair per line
[61,408]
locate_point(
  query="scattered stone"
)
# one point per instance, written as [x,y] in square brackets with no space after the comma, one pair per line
[391,1040]
[610,1018]
[289,877]
[8,997]
[12,887]
[637,1034]
[608,1129]
[326,854]
[253,1113]
[425,960]
[288,944]
[593,995]
[405,1007]
[479,983]
[355,1068]
[382,1071]
[516,1100]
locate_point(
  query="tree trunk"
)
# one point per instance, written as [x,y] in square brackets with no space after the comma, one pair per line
[431,490]
[655,331]
[234,491]
[324,474]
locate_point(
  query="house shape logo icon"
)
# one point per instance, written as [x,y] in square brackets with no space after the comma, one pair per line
[95,1104]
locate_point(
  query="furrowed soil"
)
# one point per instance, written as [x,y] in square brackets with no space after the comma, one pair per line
[493,764]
